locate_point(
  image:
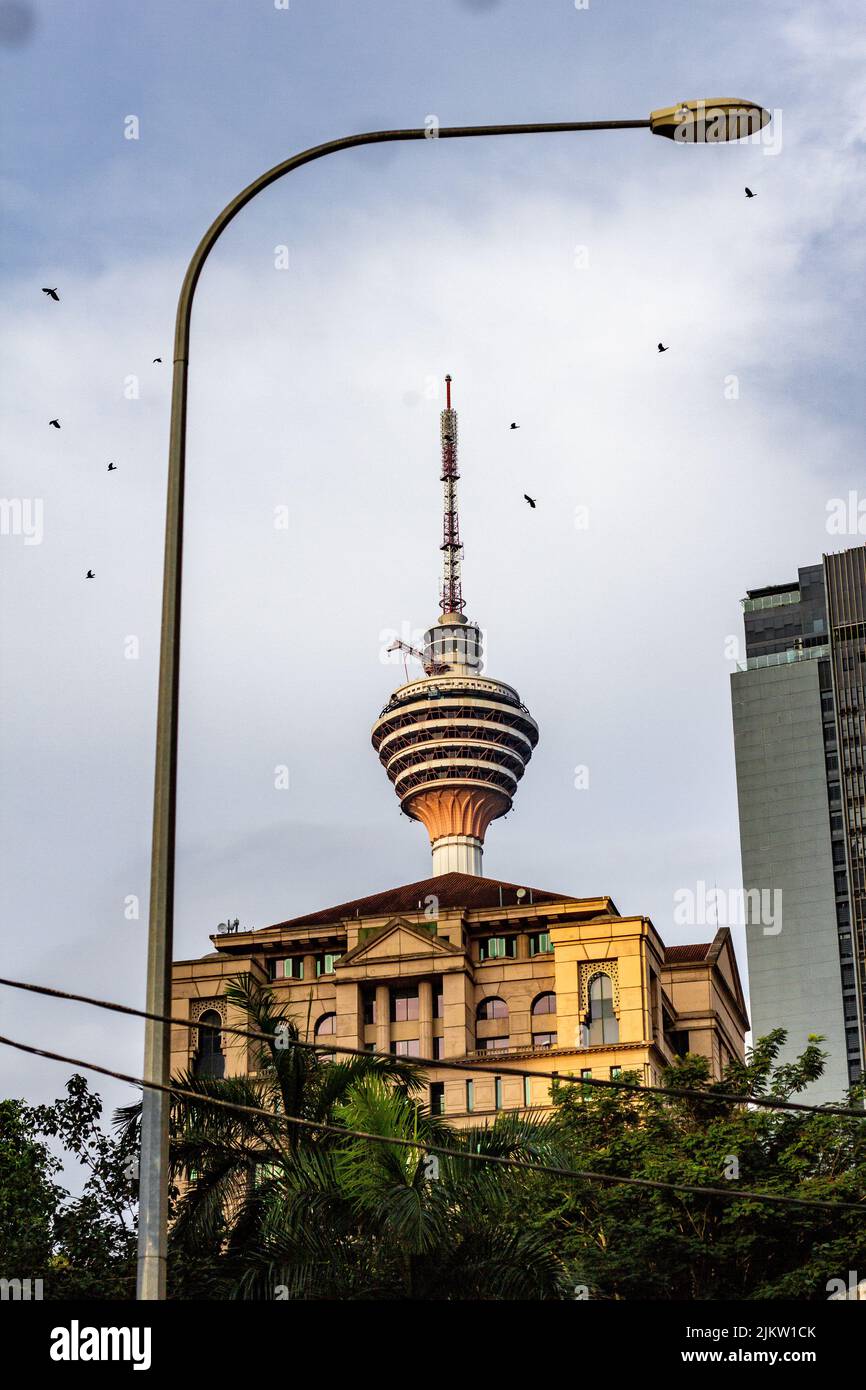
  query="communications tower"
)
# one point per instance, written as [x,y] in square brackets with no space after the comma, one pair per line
[454,742]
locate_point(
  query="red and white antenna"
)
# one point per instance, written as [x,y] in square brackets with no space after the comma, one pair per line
[452,593]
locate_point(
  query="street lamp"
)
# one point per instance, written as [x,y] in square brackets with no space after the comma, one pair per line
[692,122]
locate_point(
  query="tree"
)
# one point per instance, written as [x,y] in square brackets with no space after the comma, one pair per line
[82,1247]
[628,1243]
[364,1219]
[225,1165]
[262,1209]
[29,1196]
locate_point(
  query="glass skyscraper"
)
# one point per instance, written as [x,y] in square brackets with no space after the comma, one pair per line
[798,711]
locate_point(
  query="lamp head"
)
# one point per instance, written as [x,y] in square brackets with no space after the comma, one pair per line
[709,120]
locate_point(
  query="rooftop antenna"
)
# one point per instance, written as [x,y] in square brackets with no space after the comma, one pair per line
[452,593]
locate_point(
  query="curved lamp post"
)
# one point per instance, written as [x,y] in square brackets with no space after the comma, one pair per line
[697,122]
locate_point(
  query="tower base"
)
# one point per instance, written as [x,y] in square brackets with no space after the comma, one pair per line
[460,854]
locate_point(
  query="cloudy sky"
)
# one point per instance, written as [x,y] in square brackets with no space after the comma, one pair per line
[540,272]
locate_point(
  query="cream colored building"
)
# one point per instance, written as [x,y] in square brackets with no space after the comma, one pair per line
[459,967]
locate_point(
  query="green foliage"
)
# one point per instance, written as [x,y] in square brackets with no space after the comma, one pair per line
[263,1210]
[29,1195]
[81,1247]
[628,1243]
[361,1219]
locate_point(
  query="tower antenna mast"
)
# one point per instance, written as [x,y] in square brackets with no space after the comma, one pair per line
[452,592]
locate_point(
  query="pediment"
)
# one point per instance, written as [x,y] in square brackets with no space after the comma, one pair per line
[724,958]
[397,938]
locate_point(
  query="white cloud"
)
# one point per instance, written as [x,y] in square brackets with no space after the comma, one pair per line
[309,388]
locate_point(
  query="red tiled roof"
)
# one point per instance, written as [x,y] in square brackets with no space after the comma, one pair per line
[452,890]
[698,951]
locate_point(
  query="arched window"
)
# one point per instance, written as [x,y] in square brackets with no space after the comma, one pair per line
[494,1007]
[326,1027]
[210,1058]
[544,1004]
[601,1025]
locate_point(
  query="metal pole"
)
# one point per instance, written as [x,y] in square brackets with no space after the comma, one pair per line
[153,1171]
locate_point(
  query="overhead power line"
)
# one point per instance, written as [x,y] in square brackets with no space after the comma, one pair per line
[469,1064]
[473,1156]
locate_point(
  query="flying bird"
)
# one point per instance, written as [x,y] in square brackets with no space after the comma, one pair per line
[530,500]
[90,575]
[112,468]
[750,194]
[52,294]
[55,423]
[514,427]
[157,359]
[662,348]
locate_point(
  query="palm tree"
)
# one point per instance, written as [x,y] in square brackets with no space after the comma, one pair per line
[264,1209]
[225,1164]
[364,1219]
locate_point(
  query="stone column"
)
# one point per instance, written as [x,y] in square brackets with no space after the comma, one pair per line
[383,1018]
[425,1018]
[348,1014]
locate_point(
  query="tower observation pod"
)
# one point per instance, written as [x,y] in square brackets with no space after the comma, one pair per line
[454,742]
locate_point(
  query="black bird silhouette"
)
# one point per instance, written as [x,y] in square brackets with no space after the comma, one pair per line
[750,194]
[112,468]
[157,359]
[662,348]
[55,423]
[530,500]
[52,294]
[90,575]
[514,427]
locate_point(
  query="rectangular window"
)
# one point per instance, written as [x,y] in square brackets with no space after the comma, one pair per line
[325,963]
[405,1047]
[497,947]
[539,943]
[492,1044]
[616,1073]
[586,1075]
[678,1042]
[293,968]
[544,1040]
[470,1096]
[497,1092]
[437,1098]
[369,1006]
[438,1048]
[527,1091]
[404,1005]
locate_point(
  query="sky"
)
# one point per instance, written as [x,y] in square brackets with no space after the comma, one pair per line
[540,272]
